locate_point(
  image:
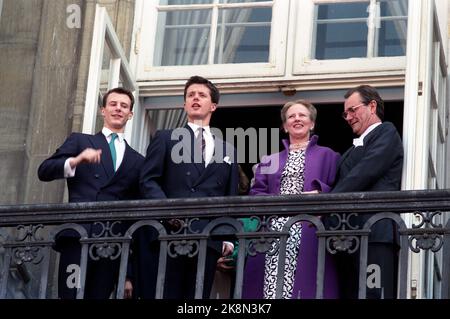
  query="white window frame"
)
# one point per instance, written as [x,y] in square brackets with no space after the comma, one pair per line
[275,66]
[424,126]
[119,70]
[304,42]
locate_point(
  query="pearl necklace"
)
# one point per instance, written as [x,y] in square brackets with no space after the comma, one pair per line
[298,146]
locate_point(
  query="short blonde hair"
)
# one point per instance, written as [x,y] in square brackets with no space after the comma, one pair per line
[312,110]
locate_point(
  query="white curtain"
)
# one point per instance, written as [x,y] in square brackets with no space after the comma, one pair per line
[193,40]
[163,119]
[229,41]
[399,8]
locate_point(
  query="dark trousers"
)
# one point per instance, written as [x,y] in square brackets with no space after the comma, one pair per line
[101,275]
[383,257]
[181,273]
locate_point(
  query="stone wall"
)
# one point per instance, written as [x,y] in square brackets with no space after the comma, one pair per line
[43,70]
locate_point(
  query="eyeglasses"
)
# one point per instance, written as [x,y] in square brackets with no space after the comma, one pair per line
[351,110]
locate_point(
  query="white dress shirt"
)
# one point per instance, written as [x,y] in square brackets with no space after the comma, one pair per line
[209,140]
[360,140]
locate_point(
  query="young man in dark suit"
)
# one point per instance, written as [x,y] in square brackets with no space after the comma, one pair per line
[188,162]
[101,167]
[373,163]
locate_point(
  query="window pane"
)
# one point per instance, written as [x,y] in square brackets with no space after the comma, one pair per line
[394,8]
[183,37]
[241,1]
[392,38]
[341,41]
[341,30]
[183,2]
[342,10]
[243,35]
[392,28]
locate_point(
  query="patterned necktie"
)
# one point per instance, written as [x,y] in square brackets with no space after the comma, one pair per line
[112,147]
[201,143]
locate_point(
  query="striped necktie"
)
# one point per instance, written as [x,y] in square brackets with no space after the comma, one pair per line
[201,143]
[112,148]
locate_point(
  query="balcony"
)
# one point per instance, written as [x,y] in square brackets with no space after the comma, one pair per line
[27,233]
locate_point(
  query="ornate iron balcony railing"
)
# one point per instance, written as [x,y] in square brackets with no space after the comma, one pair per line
[27,233]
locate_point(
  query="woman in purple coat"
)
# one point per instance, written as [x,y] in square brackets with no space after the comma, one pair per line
[303,167]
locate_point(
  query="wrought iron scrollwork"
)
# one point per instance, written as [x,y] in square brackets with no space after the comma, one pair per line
[183,247]
[344,221]
[431,235]
[106,249]
[178,226]
[29,233]
[106,230]
[343,243]
[30,252]
[268,241]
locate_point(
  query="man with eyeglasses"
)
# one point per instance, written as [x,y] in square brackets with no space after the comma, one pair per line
[373,163]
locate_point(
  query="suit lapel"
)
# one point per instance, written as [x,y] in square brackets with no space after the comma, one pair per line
[216,160]
[127,161]
[99,142]
[346,154]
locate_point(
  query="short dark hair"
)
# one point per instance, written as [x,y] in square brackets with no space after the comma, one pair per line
[213,90]
[368,93]
[119,90]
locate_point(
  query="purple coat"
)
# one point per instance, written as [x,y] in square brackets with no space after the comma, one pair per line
[320,171]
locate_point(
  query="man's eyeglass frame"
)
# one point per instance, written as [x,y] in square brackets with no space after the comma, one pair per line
[351,110]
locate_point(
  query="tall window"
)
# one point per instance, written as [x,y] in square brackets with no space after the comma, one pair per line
[214,33]
[375,28]
[254,40]
[351,36]
[235,37]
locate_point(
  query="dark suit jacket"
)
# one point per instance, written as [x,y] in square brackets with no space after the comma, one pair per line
[94,182]
[171,172]
[178,176]
[375,166]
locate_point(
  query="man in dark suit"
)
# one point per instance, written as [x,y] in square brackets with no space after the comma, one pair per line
[101,167]
[373,163]
[188,162]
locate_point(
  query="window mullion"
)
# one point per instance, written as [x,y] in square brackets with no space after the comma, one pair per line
[372,25]
[213,32]
[222,38]
[314,35]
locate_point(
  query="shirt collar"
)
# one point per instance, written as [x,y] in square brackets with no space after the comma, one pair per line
[195,127]
[107,132]
[360,140]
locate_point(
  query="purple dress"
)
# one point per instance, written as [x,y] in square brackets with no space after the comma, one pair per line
[319,174]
